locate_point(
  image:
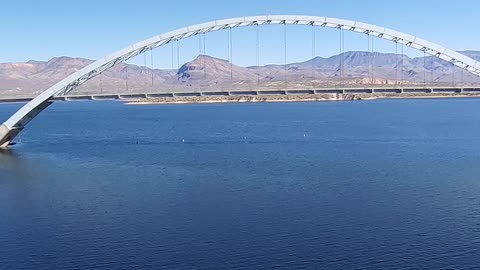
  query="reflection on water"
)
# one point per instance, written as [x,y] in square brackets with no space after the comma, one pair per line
[10,162]
[344,185]
[6,155]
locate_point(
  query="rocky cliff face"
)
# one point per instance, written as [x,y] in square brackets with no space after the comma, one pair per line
[213,70]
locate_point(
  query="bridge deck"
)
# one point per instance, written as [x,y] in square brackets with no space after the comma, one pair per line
[372,91]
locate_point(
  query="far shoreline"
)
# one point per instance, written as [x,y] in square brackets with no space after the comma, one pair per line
[292,98]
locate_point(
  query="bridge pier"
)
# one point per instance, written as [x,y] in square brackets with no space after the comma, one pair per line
[243,93]
[271,92]
[338,91]
[132,96]
[446,90]
[77,98]
[213,94]
[300,92]
[187,94]
[160,95]
[358,91]
[7,135]
[61,98]
[387,91]
[105,97]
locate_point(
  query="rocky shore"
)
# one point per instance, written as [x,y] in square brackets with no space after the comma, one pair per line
[245,99]
[292,98]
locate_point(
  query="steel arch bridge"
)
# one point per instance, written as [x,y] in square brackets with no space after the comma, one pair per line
[16,123]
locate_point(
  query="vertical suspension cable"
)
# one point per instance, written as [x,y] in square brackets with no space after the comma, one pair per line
[314,52]
[373,62]
[343,57]
[100,82]
[461,77]
[432,79]
[178,54]
[151,64]
[431,71]
[401,71]
[228,53]
[178,60]
[145,66]
[199,45]
[173,56]
[200,53]
[340,59]
[144,59]
[126,75]
[204,57]
[424,68]
[230,36]
[258,54]
[285,52]
[397,64]
[453,73]
[369,59]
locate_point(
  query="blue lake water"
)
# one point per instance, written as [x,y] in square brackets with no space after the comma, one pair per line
[392,184]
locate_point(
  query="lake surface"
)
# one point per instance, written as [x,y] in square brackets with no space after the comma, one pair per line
[392,184]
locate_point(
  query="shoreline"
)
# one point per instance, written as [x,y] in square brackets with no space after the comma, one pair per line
[292,98]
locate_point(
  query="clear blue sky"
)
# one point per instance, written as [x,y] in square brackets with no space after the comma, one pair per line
[40,30]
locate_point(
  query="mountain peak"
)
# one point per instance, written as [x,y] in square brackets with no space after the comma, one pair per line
[213,68]
[203,57]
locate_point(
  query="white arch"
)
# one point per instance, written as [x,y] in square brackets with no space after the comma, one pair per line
[17,122]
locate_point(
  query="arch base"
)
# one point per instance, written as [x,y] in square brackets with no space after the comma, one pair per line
[7,135]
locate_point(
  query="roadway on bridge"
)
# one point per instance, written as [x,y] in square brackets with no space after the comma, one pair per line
[379,90]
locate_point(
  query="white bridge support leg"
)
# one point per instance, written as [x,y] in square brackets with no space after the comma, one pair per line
[7,134]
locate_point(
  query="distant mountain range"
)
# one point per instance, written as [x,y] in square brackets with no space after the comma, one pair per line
[360,68]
